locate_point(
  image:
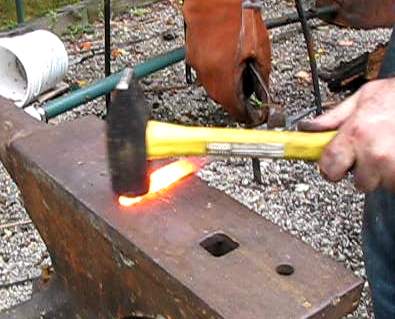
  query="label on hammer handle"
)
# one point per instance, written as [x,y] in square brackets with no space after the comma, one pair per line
[246,150]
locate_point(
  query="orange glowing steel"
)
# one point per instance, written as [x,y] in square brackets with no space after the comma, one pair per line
[161,179]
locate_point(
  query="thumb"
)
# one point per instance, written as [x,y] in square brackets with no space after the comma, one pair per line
[333,119]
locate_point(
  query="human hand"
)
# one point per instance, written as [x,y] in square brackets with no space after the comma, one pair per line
[366,137]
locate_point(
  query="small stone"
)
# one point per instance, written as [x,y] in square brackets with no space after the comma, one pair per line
[245,182]
[3,199]
[302,188]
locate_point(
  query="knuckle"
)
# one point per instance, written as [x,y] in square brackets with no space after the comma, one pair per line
[370,87]
[368,94]
[358,130]
[329,153]
[379,156]
[330,168]
[325,173]
[329,157]
[379,153]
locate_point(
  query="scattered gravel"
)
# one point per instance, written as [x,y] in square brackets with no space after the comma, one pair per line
[326,216]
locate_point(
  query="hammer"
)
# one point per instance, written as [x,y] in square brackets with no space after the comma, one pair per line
[133,140]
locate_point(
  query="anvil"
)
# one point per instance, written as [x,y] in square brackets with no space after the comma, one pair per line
[192,252]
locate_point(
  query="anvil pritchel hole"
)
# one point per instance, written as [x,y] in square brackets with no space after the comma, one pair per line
[285,269]
[219,244]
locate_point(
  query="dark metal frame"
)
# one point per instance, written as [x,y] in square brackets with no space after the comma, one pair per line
[311,53]
[107,44]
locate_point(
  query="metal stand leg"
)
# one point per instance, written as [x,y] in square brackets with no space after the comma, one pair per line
[256,168]
[107,40]
[188,68]
[311,51]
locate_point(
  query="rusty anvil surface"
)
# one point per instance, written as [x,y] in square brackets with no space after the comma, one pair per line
[147,261]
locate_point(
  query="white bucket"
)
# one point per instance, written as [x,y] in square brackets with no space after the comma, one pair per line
[30,65]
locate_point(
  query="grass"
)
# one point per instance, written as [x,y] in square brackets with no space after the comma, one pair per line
[33,8]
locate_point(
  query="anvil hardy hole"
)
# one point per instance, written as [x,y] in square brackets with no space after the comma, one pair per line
[219,244]
[285,269]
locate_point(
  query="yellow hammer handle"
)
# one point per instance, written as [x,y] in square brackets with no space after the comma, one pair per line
[169,140]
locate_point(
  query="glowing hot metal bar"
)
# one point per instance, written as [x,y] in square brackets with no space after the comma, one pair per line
[161,179]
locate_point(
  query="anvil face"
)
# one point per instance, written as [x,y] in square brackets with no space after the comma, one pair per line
[191,253]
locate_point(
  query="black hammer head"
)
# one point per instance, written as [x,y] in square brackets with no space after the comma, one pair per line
[126,138]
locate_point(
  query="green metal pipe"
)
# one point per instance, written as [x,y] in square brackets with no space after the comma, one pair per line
[102,87]
[20,11]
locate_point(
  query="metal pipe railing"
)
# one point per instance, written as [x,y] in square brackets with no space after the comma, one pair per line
[20,11]
[106,85]
[291,18]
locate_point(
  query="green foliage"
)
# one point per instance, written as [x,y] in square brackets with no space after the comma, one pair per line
[33,8]
[8,24]
[76,31]
[256,102]
[53,18]
[139,12]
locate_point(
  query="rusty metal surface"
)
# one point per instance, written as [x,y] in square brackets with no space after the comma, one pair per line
[14,124]
[351,75]
[361,14]
[148,260]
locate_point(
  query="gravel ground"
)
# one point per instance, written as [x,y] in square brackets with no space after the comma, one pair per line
[293,195]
